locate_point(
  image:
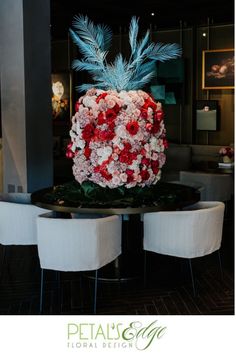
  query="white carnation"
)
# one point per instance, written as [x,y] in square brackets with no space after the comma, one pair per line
[104,153]
[121,132]
[80,142]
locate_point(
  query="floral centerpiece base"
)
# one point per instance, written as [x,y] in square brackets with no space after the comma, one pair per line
[227,159]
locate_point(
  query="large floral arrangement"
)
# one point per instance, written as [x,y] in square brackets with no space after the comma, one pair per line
[117,133]
[227,151]
[118,138]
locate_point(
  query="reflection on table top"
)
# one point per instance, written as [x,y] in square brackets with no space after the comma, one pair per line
[163,196]
[211,167]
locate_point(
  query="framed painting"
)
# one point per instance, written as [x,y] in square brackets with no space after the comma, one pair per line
[61,97]
[218,69]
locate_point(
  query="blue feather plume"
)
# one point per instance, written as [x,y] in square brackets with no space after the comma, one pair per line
[94,41]
[133,33]
[98,36]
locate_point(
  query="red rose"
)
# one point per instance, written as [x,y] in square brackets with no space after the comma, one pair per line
[88,132]
[132,127]
[116,108]
[87,152]
[154,163]
[77,104]
[159,115]
[155,167]
[111,125]
[69,146]
[133,155]
[69,153]
[106,135]
[116,150]
[155,127]
[124,157]
[145,161]
[130,179]
[110,114]
[143,152]
[127,146]
[149,103]
[110,135]
[96,169]
[130,174]
[127,156]
[149,127]
[144,174]
[101,118]
[145,105]
[144,113]
[101,96]
[155,170]
[105,174]
[96,134]
[165,143]
[103,170]
[153,105]
[229,152]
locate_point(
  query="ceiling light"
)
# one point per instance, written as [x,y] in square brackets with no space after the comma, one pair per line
[204,34]
[152,13]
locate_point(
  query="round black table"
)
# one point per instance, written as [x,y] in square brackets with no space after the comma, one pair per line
[165,196]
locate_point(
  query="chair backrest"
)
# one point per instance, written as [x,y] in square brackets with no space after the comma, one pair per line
[78,244]
[190,233]
[18,223]
[20,198]
[217,187]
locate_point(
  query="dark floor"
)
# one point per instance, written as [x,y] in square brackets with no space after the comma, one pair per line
[168,290]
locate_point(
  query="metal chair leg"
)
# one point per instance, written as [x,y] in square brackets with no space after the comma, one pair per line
[145,269]
[192,278]
[95,292]
[81,292]
[58,280]
[3,260]
[5,263]
[41,293]
[220,263]
[117,266]
[226,210]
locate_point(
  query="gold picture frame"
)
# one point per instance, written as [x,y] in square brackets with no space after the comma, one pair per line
[61,97]
[218,69]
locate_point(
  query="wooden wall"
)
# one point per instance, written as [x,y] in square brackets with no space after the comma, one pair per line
[220,37]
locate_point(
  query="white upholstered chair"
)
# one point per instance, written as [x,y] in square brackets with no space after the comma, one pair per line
[193,232]
[217,186]
[17,220]
[20,198]
[78,244]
